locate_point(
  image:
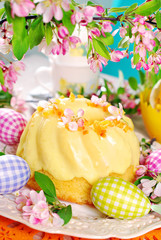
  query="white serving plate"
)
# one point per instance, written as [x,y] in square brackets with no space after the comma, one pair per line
[87,222]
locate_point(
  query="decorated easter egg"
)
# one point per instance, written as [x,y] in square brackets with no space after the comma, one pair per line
[12,125]
[119,199]
[153,163]
[14,173]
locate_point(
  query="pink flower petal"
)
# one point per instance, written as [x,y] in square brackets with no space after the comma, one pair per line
[157,190]
[80,113]
[58,14]
[68,112]
[73,126]
[80,122]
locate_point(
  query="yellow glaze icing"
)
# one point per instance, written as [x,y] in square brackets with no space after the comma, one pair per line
[47,144]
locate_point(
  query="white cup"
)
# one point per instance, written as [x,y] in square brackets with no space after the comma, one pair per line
[67,73]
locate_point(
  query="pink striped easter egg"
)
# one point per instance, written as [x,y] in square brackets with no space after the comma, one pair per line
[153,163]
[12,125]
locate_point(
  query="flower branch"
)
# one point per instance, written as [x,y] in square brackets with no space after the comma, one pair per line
[52,30]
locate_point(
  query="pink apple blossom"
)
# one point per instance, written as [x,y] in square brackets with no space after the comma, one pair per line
[157,190]
[21,8]
[35,209]
[50,9]
[123,31]
[5,45]
[89,12]
[141,64]
[57,221]
[117,113]
[63,32]
[141,170]
[10,74]
[100,10]
[18,104]
[77,17]
[147,186]
[107,26]
[57,48]
[127,101]
[99,101]
[47,49]
[154,61]
[95,31]
[116,56]
[71,120]
[6,30]
[96,62]
[69,42]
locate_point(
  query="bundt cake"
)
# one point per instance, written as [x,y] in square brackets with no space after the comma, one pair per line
[76,141]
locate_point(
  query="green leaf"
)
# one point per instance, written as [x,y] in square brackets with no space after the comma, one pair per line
[5,98]
[129,33]
[158,19]
[8,11]
[36,32]
[20,41]
[74,3]
[1,77]
[156,200]
[120,9]
[108,92]
[142,77]
[89,3]
[50,199]
[89,48]
[148,7]
[138,181]
[120,90]
[124,43]
[133,83]
[2,153]
[1,11]
[108,40]
[65,213]
[156,208]
[46,184]
[100,48]
[131,8]
[67,22]
[48,33]
[136,58]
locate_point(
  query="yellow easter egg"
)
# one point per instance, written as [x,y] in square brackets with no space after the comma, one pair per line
[118,198]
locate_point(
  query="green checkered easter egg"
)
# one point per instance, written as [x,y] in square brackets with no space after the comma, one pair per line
[119,199]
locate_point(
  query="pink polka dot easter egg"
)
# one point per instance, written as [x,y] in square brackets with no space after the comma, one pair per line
[153,162]
[12,125]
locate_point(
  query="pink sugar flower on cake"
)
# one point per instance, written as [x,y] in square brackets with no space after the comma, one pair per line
[73,121]
[117,113]
[99,101]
